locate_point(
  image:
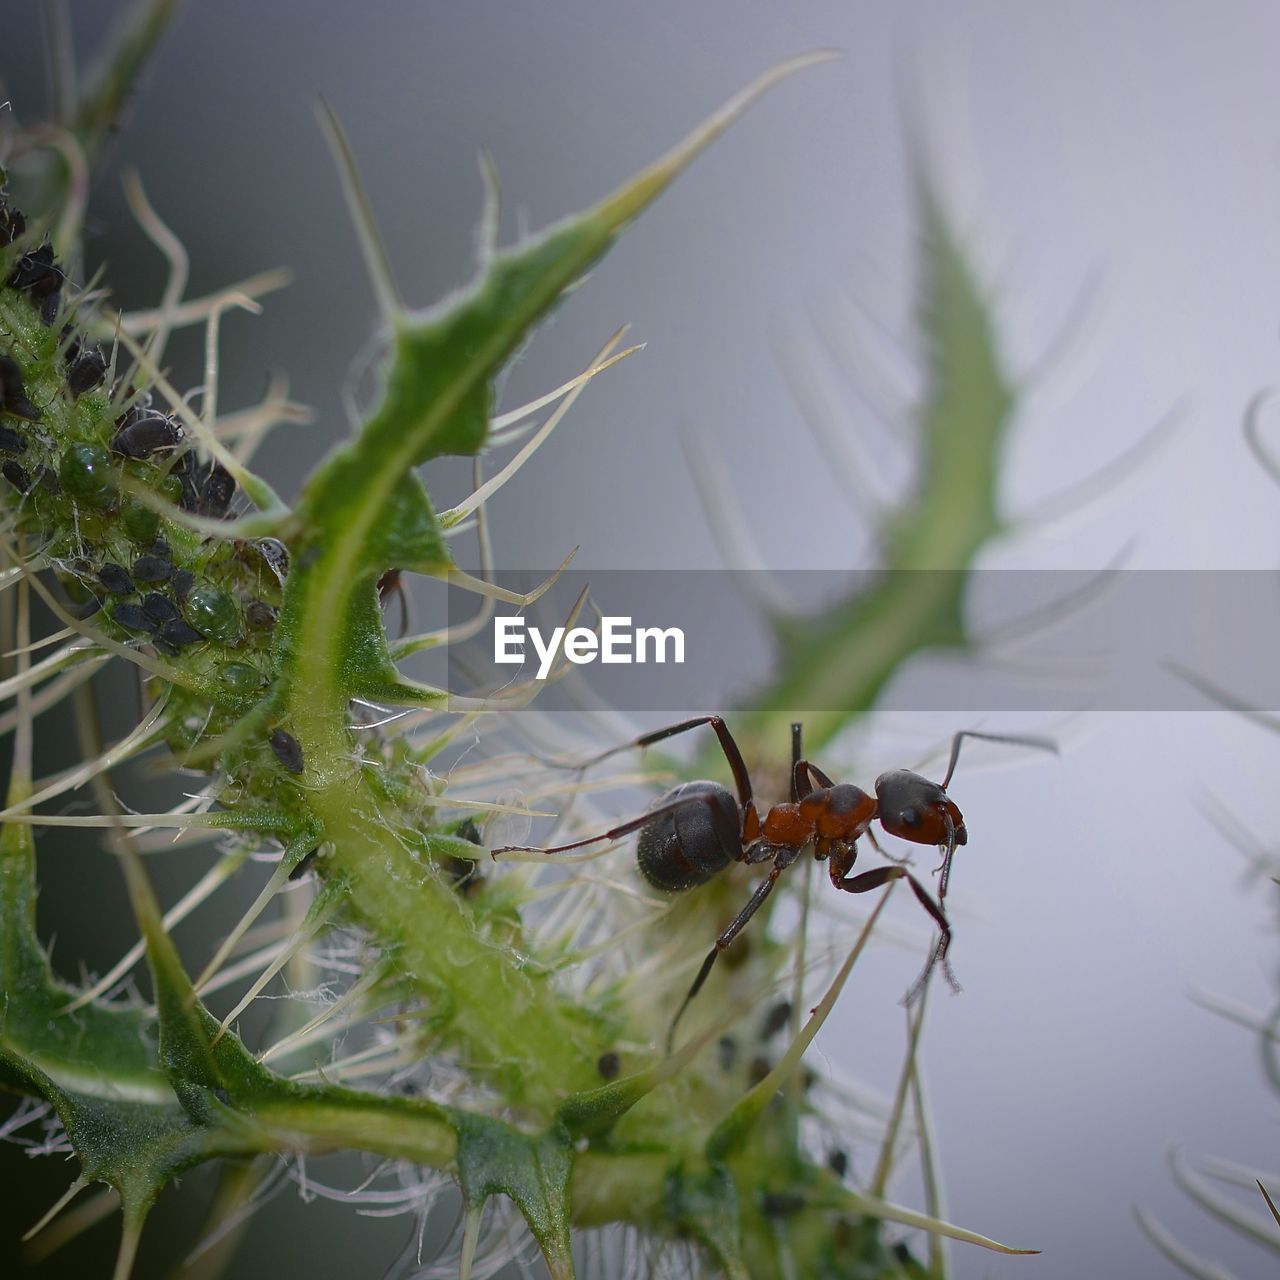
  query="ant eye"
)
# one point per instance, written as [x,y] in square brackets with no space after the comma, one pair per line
[910,817]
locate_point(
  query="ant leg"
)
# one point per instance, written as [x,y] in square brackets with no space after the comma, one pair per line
[784,859]
[807,777]
[737,765]
[614,833]
[801,782]
[948,853]
[870,880]
[1040,744]
[882,851]
[917,987]
[797,753]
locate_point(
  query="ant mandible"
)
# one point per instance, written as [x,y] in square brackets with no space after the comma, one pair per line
[698,828]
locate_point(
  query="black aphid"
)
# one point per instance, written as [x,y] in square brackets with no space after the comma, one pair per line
[183,581]
[11,441]
[287,750]
[132,617]
[142,432]
[13,391]
[219,489]
[116,579]
[207,487]
[37,273]
[259,615]
[86,372]
[12,224]
[179,633]
[160,609]
[16,474]
[152,568]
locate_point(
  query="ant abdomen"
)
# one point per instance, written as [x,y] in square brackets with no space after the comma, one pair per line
[687,846]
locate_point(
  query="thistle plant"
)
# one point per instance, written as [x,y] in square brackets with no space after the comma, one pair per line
[492,1028]
[1229,1192]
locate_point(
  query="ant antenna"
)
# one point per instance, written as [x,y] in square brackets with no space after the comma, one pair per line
[797,755]
[1039,744]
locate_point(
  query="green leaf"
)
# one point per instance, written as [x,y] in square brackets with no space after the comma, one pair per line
[360,513]
[704,1204]
[837,663]
[117,72]
[533,1169]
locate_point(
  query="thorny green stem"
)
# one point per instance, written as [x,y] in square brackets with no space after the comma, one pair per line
[266,706]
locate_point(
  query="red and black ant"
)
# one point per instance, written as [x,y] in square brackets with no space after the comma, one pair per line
[698,828]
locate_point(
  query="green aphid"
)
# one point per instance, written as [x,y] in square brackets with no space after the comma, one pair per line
[141,523]
[213,613]
[87,474]
[240,677]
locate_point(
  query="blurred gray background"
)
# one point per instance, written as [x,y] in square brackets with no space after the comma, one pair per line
[1114,169]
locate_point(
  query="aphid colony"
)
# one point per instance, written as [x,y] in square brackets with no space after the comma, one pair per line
[82,450]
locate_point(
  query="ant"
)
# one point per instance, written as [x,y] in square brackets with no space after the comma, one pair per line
[698,828]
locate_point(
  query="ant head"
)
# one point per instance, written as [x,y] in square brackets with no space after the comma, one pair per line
[915,809]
